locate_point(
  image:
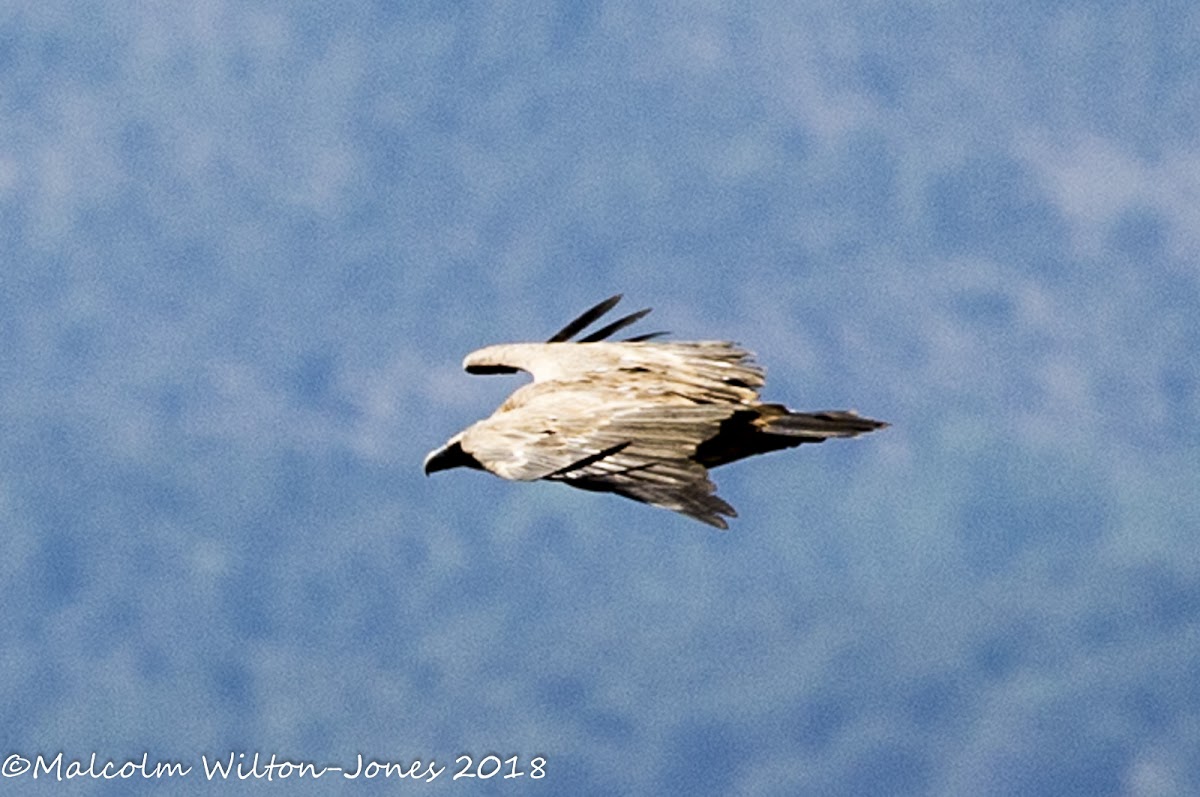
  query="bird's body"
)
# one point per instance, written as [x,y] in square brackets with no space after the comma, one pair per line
[639,418]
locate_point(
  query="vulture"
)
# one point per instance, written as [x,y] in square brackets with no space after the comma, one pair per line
[638,417]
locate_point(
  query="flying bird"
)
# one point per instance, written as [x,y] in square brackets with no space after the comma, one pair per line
[638,417]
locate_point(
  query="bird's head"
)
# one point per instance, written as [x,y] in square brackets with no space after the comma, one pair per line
[449,456]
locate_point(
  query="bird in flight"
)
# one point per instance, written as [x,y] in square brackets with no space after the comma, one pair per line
[638,417]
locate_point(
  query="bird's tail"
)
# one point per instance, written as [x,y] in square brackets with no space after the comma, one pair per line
[818,426]
[771,427]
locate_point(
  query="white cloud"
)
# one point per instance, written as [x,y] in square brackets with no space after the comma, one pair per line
[1094,180]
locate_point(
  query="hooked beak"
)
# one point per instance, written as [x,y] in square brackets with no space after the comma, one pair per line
[449,456]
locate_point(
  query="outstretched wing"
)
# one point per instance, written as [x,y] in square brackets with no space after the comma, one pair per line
[638,450]
[699,371]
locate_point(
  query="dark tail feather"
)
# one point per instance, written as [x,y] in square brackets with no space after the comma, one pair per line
[772,427]
[821,425]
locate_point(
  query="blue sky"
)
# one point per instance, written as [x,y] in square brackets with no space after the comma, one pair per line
[246,246]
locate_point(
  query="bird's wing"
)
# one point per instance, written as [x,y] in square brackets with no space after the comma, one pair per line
[608,444]
[707,370]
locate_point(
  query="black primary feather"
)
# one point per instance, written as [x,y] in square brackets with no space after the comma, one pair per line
[580,323]
[615,326]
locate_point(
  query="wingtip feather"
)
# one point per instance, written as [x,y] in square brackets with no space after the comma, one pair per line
[584,319]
